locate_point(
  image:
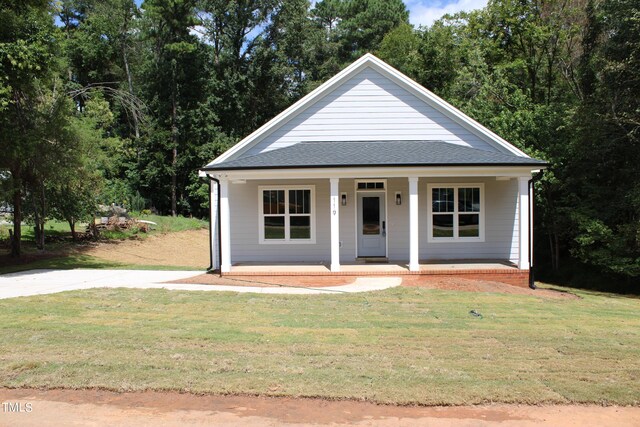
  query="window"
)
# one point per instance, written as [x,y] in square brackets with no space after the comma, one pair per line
[287,215]
[456,212]
[376,185]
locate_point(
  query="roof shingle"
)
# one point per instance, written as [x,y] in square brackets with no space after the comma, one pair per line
[327,154]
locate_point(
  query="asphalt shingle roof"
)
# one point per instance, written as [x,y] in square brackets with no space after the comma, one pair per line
[373,153]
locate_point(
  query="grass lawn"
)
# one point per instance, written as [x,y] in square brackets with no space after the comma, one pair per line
[402,345]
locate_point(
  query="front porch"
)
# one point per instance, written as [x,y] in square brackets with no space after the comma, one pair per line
[486,270]
[416,223]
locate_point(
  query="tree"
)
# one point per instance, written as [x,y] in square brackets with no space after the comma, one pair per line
[603,174]
[26,67]
[170,74]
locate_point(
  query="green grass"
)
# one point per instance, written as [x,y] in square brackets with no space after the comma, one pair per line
[51,228]
[403,345]
[166,224]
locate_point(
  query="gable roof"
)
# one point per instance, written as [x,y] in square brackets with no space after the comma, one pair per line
[328,154]
[368,60]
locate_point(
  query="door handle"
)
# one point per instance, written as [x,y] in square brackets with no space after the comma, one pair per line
[384,228]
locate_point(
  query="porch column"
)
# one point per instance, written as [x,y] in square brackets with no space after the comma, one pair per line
[334,204]
[523,222]
[213,226]
[414,264]
[225,227]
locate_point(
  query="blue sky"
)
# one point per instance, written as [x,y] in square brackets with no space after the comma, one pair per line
[426,12]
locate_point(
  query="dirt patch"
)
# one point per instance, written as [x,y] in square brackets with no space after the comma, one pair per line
[96,407]
[270,281]
[183,248]
[468,285]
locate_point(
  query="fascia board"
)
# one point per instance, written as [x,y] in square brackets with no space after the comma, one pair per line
[377,172]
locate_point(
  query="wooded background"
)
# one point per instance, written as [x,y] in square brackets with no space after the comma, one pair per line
[113,102]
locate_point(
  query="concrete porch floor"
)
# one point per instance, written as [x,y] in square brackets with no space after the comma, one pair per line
[374,268]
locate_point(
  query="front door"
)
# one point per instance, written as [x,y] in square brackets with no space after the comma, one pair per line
[372,225]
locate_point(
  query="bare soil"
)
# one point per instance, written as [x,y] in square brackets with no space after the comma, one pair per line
[96,407]
[270,281]
[184,248]
[469,285]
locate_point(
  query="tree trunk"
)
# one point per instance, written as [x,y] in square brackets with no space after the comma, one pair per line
[72,227]
[125,59]
[174,183]
[174,159]
[16,247]
[39,218]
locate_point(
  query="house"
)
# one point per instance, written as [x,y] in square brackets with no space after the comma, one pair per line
[373,167]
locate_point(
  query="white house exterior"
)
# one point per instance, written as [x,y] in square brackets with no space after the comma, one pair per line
[373,166]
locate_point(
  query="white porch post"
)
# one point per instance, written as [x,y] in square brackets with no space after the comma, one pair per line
[334,204]
[215,233]
[225,227]
[414,264]
[523,222]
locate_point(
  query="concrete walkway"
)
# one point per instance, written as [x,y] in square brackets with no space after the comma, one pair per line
[40,282]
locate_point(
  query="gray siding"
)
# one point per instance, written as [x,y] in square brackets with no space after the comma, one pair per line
[245,246]
[501,232]
[369,107]
[501,224]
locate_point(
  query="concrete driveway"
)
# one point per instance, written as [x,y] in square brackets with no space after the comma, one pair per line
[39,282]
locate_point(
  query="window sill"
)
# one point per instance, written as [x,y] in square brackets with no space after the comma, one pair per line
[287,242]
[454,240]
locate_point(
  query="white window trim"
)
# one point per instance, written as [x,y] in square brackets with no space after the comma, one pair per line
[287,240]
[456,238]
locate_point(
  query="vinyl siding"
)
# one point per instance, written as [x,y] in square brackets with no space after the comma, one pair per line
[369,107]
[501,224]
[245,247]
[501,232]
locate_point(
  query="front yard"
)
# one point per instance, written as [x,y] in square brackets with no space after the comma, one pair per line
[405,345]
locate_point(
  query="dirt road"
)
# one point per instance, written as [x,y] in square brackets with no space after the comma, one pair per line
[96,408]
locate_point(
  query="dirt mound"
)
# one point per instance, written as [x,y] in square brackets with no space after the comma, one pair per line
[183,248]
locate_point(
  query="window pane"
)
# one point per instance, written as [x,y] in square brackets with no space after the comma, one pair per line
[300,227]
[469,199]
[442,199]
[273,202]
[370,215]
[299,201]
[274,227]
[442,225]
[469,225]
[362,185]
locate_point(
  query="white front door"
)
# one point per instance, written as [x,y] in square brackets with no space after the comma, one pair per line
[372,224]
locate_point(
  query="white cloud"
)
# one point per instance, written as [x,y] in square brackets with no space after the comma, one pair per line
[426,12]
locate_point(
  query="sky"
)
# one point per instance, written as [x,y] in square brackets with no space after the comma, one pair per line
[426,12]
